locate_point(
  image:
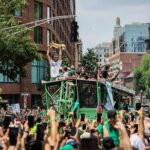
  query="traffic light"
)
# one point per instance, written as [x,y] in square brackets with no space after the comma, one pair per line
[74,31]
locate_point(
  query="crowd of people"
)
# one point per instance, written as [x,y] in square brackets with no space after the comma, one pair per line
[57,72]
[38,129]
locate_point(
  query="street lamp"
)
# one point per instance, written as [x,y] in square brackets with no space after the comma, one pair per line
[141,98]
[120,66]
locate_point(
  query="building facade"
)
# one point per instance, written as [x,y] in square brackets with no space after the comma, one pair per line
[102,51]
[127,48]
[26,90]
[78,53]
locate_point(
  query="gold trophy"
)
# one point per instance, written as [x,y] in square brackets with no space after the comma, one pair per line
[55,45]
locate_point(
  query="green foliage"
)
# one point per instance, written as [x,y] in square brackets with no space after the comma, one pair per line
[65,59]
[16,50]
[142,75]
[89,60]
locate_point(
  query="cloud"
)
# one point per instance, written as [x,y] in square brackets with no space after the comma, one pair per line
[97,17]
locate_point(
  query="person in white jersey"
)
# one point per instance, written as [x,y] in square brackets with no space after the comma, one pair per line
[55,62]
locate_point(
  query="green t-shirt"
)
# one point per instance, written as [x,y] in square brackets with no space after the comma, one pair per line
[100,129]
[66,147]
[113,133]
[72,71]
[122,105]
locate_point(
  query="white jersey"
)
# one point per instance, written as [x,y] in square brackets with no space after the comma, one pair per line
[54,68]
[136,141]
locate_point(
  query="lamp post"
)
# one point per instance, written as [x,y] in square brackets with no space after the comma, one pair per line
[141,94]
[120,66]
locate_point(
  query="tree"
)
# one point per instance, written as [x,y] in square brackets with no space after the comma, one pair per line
[16,50]
[65,59]
[142,75]
[89,60]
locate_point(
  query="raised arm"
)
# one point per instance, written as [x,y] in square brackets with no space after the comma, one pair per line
[48,52]
[124,138]
[115,76]
[60,53]
[141,123]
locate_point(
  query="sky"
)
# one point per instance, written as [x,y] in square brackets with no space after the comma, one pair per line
[96,18]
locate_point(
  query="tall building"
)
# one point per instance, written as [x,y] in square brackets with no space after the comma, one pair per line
[26,90]
[127,48]
[133,37]
[78,56]
[102,51]
[147,41]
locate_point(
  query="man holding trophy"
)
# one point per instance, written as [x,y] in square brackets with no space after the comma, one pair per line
[55,59]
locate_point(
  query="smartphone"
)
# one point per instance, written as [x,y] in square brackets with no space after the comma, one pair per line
[40,132]
[30,121]
[62,121]
[84,126]
[67,132]
[45,125]
[73,131]
[75,115]
[99,115]
[138,106]
[13,133]
[62,117]
[82,117]
[7,121]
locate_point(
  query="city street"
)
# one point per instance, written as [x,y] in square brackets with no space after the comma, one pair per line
[74,75]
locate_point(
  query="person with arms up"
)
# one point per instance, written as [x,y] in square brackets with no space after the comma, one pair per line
[55,61]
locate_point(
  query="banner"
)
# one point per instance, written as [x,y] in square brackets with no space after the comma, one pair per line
[110,102]
[16,108]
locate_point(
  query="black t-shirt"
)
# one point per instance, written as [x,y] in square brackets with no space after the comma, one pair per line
[104,74]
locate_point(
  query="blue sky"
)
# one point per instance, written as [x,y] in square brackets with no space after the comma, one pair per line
[96,18]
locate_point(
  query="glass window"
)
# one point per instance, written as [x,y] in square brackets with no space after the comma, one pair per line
[38,36]
[5,79]
[39,70]
[38,10]
[53,3]
[48,37]
[48,14]
[18,12]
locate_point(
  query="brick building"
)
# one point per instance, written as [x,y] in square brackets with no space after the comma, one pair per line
[26,90]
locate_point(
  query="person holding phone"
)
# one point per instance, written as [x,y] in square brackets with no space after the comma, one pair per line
[109,129]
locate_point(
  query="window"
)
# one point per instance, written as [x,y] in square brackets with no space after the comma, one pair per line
[53,3]
[48,37]
[4,78]
[48,14]
[38,10]
[18,12]
[39,70]
[38,38]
